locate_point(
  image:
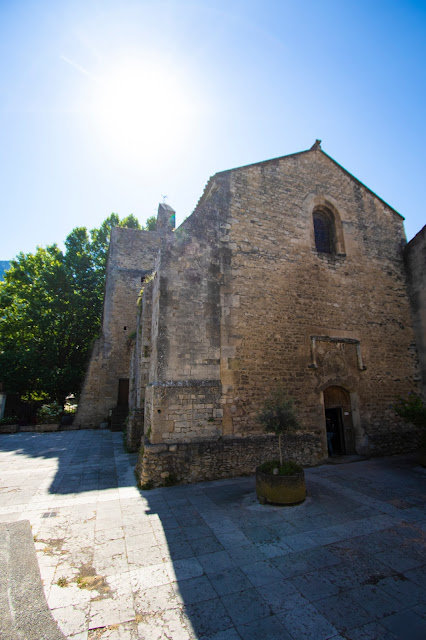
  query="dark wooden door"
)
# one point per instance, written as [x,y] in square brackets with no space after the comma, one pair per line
[123,393]
[337,406]
[334,424]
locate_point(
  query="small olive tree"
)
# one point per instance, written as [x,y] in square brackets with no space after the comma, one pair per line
[278,416]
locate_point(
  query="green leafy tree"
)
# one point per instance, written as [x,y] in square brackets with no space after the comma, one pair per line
[99,238]
[130,222]
[50,311]
[278,416]
[151,224]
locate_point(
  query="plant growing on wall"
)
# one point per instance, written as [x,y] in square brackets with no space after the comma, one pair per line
[148,279]
[278,416]
[413,409]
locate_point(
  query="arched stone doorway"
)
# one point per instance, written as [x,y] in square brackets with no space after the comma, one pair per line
[338,416]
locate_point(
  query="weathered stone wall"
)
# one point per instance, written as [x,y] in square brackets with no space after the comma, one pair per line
[279,291]
[415,258]
[384,442]
[139,369]
[142,357]
[88,415]
[131,258]
[183,410]
[208,460]
[244,283]
[188,338]
[183,397]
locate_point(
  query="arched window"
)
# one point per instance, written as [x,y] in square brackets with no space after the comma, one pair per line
[324,231]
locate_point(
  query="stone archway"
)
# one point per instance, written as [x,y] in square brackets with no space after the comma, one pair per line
[338,415]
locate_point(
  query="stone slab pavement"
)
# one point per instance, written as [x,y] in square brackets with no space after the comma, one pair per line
[206,561]
[23,608]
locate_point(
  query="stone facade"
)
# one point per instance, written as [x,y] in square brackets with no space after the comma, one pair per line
[289,273]
[415,258]
[130,261]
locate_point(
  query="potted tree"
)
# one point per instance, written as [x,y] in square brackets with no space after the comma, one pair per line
[279,481]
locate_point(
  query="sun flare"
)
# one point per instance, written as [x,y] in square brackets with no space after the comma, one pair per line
[143,109]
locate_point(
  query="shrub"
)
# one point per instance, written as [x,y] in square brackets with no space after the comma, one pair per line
[288,468]
[413,409]
[49,413]
[9,420]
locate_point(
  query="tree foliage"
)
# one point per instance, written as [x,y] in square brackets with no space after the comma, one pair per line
[50,312]
[278,416]
[151,224]
[413,409]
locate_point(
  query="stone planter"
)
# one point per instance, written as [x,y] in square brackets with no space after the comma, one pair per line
[285,490]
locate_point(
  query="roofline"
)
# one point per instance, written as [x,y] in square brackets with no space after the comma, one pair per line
[363,185]
[299,153]
[254,164]
[417,237]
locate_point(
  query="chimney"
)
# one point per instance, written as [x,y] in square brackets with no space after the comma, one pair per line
[166,219]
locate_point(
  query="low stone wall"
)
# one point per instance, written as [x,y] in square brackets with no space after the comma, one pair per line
[37,428]
[162,464]
[391,443]
[134,429]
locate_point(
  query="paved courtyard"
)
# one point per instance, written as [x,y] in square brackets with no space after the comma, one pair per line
[206,560]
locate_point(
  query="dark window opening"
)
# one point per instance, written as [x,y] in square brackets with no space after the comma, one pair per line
[124,328]
[324,231]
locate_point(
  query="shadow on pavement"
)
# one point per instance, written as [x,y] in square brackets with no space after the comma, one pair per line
[348,562]
[321,569]
[85,460]
[23,608]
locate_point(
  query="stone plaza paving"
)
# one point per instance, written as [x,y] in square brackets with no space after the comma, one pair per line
[206,560]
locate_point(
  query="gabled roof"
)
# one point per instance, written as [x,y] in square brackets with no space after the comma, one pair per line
[314,149]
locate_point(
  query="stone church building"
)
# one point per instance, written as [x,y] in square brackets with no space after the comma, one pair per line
[290,273]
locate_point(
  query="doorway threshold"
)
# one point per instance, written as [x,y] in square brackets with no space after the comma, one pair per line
[345,459]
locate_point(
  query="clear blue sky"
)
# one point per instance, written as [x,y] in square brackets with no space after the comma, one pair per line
[109,105]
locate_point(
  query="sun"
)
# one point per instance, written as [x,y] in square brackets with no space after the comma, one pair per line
[143,109]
